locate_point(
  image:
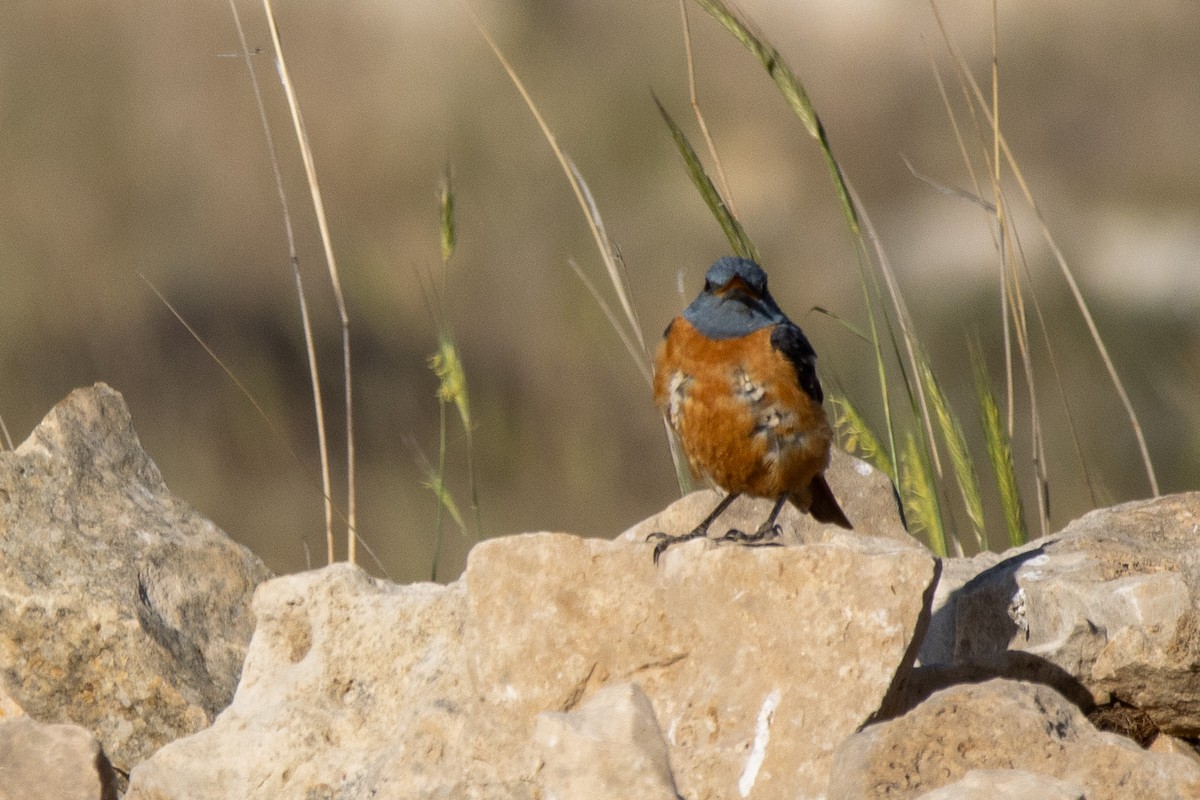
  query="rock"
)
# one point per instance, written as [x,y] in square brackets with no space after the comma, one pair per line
[865,494]
[937,648]
[352,688]
[713,635]
[1107,611]
[8,707]
[756,662]
[1002,724]
[1006,784]
[609,748]
[1164,743]
[121,608]
[52,762]
[935,667]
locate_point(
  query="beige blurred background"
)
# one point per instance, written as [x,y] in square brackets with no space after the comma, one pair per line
[130,143]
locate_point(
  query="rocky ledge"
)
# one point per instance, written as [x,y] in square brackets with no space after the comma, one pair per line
[144,653]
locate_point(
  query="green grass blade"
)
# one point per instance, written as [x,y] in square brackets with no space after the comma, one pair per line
[446,228]
[793,92]
[960,456]
[917,488]
[452,377]
[683,472]
[857,436]
[999,448]
[452,389]
[734,232]
[437,483]
[445,499]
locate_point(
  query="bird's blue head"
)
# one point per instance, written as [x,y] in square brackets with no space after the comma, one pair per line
[734,302]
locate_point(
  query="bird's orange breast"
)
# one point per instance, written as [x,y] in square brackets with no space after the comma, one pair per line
[740,412]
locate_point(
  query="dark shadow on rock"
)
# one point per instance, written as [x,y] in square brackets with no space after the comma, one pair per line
[893,700]
[981,653]
[991,598]
[1021,667]
[111,785]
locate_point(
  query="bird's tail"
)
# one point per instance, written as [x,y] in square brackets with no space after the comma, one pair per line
[824,506]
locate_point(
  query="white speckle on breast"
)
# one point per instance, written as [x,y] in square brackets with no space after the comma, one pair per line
[747,389]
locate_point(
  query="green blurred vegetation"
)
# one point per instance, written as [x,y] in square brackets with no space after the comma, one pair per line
[130,144]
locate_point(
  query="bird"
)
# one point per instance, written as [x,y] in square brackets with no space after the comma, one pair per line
[737,382]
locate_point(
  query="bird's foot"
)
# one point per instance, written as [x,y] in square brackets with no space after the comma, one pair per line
[756,539]
[665,540]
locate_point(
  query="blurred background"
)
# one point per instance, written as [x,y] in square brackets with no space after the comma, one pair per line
[130,145]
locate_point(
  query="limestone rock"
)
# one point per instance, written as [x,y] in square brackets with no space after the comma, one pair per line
[609,748]
[9,709]
[756,662]
[937,648]
[1107,610]
[935,667]
[1002,724]
[52,762]
[1165,743]
[352,688]
[121,608]
[1006,784]
[865,494]
[715,636]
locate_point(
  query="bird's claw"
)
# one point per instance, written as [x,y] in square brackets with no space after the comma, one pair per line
[756,538]
[666,540]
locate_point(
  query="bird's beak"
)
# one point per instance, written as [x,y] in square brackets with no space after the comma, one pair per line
[737,286]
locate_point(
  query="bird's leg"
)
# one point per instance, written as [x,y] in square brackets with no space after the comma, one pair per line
[767,530]
[665,540]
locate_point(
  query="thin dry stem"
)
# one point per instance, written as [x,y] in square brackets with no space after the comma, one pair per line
[615,265]
[1001,233]
[582,195]
[271,426]
[1068,276]
[1020,325]
[4,431]
[310,172]
[903,318]
[963,80]
[294,261]
[695,100]
[1058,380]
[611,316]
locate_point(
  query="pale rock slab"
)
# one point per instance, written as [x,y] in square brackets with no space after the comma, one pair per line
[756,662]
[1006,784]
[352,688]
[9,708]
[121,608]
[40,761]
[1108,609]
[1165,743]
[1007,725]
[609,748]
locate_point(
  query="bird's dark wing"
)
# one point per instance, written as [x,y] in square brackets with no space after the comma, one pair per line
[790,340]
